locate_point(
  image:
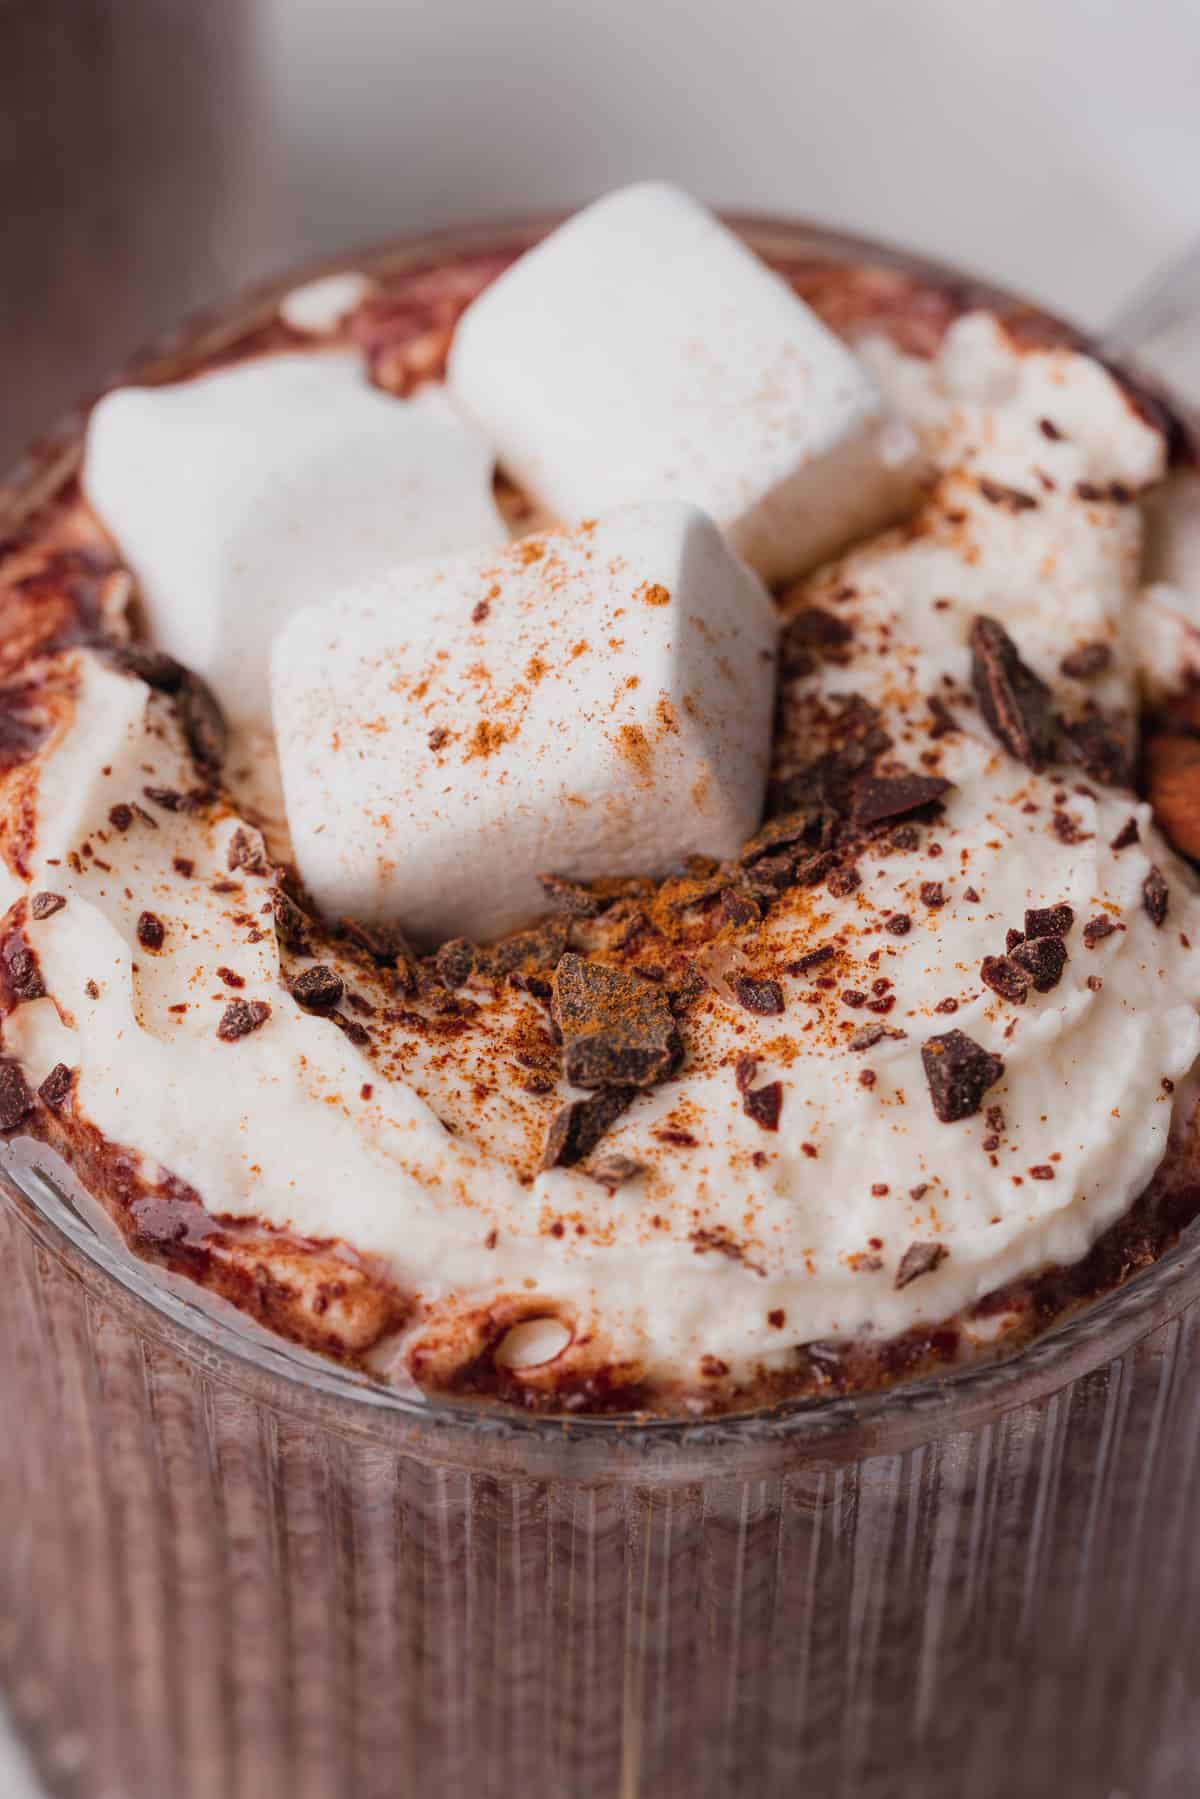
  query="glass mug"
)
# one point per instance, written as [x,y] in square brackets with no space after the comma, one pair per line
[229,1571]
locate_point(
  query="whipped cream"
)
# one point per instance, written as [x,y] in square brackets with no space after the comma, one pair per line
[242,496]
[588,703]
[642,352]
[722,1243]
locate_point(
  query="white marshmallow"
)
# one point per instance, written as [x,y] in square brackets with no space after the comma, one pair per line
[642,352]
[595,702]
[320,306]
[240,497]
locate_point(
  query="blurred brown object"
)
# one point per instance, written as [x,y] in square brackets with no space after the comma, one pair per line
[129,185]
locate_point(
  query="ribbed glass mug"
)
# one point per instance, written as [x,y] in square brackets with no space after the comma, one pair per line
[230,1572]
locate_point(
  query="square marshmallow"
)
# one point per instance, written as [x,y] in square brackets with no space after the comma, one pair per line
[239,497]
[643,352]
[584,703]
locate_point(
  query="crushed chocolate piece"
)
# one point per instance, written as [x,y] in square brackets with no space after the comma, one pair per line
[942,720]
[881,797]
[744,1071]
[578,1127]
[57,1085]
[120,817]
[843,881]
[812,958]
[1089,660]
[899,924]
[240,1017]
[437,738]
[933,894]
[767,878]
[618,1029]
[1126,836]
[231,977]
[764,1104]
[1156,896]
[44,905]
[1068,829]
[868,1035]
[808,635]
[1049,921]
[1043,960]
[1013,498]
[290,923]
[203,722]
[1101,744]
[614,1170]
[959,1072]
[151,932]
[1005,977]
[1016,704]
[1096,929]
[454,963]
[22,976]
[529,952]
[319,988]
[1049,429]
[584,899]
[383,943]
[351,1029]
[971,895]
[919,1259]
[246,850]
[762,996]
[1011,940]
[16,1101]
[779,832]
[739,909]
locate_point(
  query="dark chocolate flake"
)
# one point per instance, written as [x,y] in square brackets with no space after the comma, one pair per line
[1089,660]
[120,817]
[1005,977]
[319,988]
[919,1259]
[959,1072]
[618,1029]
[762,996]
[740,909]
[43,905]
[764,1104]
[933,894]
[1013,498]
[578,1127]
[1016,703]
[1096,929]
[1043,960]
[1049,921]
[455,963]
[151,932]
[881,797]
[16,1101]
[1156,897]
[613,1170]
[57,1085]
[1126,836]
[246,851]
[21,973]
[241,1017]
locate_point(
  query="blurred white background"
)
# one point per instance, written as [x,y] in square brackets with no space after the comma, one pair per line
[1053,144]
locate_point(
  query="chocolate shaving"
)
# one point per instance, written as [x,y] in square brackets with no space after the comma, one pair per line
[1156,896]
[1043,960]
[16,1101]
[959,1072]
[1100,744]
[1016,704]
[455,963]
[319,988]
[43,905]
[1005,977]
[246,851]
[151,932]
[762,996]
[764,1105]
[578,1127]
[618,1029]
[203,722]
[881,797]
[1127,835]
[1049,921]
[56,1087]
[1089,660]
[919,1259]
[1011,497]
[613,1170]
[240,1017]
